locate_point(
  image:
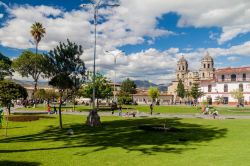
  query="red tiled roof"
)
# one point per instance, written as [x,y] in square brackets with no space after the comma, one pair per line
[230,70]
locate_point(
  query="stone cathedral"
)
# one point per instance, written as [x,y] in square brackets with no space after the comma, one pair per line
[206,72]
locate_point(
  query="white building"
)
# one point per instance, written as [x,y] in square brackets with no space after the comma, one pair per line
[225,81]
[215,83]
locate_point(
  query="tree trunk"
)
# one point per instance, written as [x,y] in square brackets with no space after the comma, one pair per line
[8,107]
[97,104]
[74,106]
[60,113]
[33,93]
[36,47]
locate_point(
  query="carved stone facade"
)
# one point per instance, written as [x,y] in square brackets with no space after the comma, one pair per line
[206,72]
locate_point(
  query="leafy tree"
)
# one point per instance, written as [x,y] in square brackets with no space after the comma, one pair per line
[11,91]
[218,99]
[195,91]
[33,65]
[180,89]
[45,94]
[124,98]
[5,66]
[102,87]
[66,69]
[238,95]
[128,86]
[37,31]
[154,93]
[40,94]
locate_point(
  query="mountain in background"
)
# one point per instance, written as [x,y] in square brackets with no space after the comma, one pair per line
[146,84]
[30,83]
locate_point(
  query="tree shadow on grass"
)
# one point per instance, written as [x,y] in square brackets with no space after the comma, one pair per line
[125,134]
[18,163]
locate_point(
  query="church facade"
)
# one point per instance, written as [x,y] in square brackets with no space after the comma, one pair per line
[216,84]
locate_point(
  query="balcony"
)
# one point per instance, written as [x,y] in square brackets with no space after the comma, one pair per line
[236,80]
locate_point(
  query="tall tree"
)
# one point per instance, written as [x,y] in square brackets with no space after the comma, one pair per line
[37,31]
[102,86]
[11,91]
[5,66]
[124,98]
[238,95]
[180,89]
[154,93]
[66,69]
[33,65]
[195,91]
[128,86]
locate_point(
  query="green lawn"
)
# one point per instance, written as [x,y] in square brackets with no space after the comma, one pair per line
[157,109]
[120,142]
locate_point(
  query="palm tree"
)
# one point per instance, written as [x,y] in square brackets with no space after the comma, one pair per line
[37,31]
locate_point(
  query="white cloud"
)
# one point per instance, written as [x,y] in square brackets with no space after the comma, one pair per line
[233,59]
[129,24]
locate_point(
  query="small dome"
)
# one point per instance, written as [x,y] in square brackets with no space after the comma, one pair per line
[207,57]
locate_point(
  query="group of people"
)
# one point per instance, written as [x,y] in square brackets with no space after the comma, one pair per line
[50,111]
[113,108]
[207,111]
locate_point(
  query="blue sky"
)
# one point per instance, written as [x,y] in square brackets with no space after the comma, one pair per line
[153,35]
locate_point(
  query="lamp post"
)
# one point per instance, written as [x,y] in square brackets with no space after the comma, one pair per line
[115,57]
[96,6]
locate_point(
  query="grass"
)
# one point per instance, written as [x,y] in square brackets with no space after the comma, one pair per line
[120,142]
[223,110]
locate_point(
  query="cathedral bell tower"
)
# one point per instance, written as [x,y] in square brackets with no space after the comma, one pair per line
[206,71]
[182,68]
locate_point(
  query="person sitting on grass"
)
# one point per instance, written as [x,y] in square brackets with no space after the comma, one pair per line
[215,113]
[206,112]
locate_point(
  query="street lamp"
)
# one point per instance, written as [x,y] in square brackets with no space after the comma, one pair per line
[96,6]
[115,56]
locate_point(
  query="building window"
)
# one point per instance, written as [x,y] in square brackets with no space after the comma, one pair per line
[241,87]
[203,75]
[244,77]
[179,68]
[204,66]
[190,83]
[209,88]
[225,88]
[223,78]
[233,77]
[208,65]
[182,67]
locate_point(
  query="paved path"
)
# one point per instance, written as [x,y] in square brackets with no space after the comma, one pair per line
[142,114]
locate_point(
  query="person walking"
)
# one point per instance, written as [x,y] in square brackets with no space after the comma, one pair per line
[151,108]
[49,109]
[55,111]
[120,110]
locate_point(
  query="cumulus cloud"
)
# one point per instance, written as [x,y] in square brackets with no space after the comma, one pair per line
[130,24]
[233,59]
